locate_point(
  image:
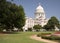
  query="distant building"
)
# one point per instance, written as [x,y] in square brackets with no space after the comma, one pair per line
[38,19]
[28,24]
[40,16]
[56,28]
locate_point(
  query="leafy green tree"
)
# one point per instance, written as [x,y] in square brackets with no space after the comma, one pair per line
[29,29]
[47,27]
[59,26]
[37,27]
[53,21]
[11,15]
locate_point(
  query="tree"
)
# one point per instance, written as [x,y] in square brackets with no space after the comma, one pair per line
[53,21]
[37,27]
[59,26]
[47,27]
[29,29]
[11,15]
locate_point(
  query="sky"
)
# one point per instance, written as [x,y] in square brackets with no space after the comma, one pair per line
[51,7]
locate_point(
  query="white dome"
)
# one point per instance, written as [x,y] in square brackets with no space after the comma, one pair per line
[39,9]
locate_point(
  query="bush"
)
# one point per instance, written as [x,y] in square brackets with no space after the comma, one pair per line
[29,29]
[43,34]
[45,37]
[51,37]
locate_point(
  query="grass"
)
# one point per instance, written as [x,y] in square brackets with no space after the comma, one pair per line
[21,37]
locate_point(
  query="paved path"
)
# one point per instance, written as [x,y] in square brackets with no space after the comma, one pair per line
[40,39]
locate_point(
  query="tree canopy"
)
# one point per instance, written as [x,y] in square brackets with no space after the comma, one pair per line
[52,22]
[37,27]
[11,15]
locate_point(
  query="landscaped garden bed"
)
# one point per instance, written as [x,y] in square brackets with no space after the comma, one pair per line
[50,36]
[43,34]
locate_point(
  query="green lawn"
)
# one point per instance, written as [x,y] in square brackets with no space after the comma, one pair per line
[21,37]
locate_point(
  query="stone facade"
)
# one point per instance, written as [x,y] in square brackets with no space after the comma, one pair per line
[40,16]
[28,24]
[38,19]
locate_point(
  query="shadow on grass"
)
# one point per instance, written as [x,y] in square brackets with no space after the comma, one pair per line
[9,32]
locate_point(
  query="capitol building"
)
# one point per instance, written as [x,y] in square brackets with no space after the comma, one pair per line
[39,19]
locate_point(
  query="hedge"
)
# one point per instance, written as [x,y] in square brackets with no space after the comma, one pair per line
[43,34]
[51,37]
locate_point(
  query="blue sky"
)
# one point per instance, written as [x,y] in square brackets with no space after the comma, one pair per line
[51,7]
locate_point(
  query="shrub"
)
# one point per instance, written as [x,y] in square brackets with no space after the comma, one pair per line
[51,37]
[45,37]
[29,29]
[43,34]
